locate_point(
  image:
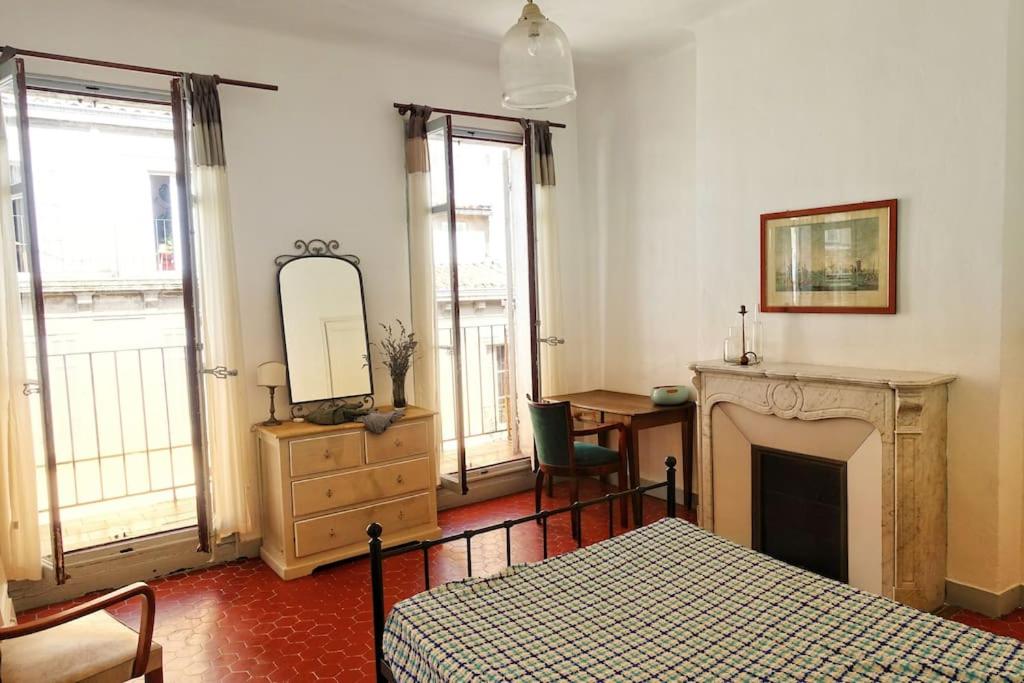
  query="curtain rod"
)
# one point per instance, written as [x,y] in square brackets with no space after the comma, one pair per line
[402,107]
[12,51]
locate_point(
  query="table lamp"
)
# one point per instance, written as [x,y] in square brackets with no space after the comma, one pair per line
[271,375]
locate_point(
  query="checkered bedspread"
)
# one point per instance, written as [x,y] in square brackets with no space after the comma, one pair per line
[672,602]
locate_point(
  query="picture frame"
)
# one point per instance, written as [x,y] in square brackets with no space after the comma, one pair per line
[830,259]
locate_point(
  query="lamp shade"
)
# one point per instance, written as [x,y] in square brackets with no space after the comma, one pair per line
[535,63]
[271,374]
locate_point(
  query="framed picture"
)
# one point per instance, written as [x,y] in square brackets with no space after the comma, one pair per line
[833,259]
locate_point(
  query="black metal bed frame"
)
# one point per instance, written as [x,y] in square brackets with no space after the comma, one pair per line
[378,554]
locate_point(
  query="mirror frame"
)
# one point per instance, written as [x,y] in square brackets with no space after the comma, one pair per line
[318,248]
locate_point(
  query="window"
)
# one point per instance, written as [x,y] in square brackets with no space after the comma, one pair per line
[480,371]
[163,221]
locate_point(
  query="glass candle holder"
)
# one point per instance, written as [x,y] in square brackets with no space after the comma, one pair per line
[732,350]
[755,341]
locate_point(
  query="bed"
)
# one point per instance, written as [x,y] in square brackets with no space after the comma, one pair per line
[671,601]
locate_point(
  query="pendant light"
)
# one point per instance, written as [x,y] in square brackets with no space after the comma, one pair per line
[535,63]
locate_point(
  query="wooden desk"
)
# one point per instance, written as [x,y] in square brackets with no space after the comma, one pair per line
[638,413]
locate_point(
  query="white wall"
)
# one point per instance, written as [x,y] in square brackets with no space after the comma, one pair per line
[1012,401]
[800,103]
[321,158]
[637,171]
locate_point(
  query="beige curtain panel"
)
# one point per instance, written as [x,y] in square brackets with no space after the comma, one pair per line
[549,271]
[19,517]
[230,446]
[416,158]
[207,138]
[544,154]
[421,263]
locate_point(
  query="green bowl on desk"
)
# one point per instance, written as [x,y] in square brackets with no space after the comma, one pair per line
[670,395]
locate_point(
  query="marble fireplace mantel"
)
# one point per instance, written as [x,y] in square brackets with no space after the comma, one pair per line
[908,409]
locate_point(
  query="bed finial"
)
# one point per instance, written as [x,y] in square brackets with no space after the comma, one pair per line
[374,530]
[670,488]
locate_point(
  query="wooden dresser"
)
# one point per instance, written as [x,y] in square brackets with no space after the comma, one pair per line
[321,487]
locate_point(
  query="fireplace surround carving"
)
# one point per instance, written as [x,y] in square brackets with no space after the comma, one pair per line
[908,409]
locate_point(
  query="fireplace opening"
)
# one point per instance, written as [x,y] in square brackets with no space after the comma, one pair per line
[799,510]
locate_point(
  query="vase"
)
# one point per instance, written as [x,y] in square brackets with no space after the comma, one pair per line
[398,391]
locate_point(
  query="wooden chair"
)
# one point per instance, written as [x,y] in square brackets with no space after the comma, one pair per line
[559,454]
[84,643]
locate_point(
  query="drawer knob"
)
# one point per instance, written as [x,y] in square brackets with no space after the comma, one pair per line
[327,455]
[398,442]
[330,493]
[331,533]
[400,479]
[401,514]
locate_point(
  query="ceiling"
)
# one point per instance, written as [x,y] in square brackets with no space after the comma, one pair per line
[596,28]
[599,30]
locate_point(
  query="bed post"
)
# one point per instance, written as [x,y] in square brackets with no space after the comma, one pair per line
[377,586]
[670,492]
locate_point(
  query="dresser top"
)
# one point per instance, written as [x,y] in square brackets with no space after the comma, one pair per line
[288,429]
[826,373]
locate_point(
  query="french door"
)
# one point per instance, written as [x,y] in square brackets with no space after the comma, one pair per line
[446,250]
[14,100]
[105,246]
[481,250]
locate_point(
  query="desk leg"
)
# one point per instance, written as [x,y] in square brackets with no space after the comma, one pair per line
[689,422]
[602,440]
[633,452]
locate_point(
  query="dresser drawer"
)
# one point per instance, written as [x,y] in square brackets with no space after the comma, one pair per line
[400,441]
[349,528]
[326,453]
[310,496]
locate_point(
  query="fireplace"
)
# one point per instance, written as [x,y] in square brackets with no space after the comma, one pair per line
[888,427]
[799,509]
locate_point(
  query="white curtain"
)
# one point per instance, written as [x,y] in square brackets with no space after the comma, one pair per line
[421,264]
[549,273]
[233,474]
[19,521]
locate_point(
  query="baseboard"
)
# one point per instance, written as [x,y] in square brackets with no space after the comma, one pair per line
[116,565]
[487,488]
[976,599]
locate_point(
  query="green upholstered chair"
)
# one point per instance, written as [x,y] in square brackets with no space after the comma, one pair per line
[560,454]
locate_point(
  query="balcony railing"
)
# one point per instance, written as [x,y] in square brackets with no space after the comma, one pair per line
[485,380]
[121,426]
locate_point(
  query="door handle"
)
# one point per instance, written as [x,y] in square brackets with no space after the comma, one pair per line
[30,387]
[552,340]
[220,372]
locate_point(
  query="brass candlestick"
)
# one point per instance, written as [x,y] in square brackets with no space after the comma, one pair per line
[746,356]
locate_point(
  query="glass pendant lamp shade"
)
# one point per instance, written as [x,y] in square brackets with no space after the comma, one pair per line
[535,63]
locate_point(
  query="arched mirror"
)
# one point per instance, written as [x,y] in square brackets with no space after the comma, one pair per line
[323,316]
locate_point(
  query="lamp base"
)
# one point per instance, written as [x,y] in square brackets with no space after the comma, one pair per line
[273,421]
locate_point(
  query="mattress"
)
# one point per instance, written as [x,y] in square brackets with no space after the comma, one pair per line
[670,602]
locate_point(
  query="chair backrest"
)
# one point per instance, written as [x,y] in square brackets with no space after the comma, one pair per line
[552,432]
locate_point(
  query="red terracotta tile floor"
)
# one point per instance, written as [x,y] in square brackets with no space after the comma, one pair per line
[240,622]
